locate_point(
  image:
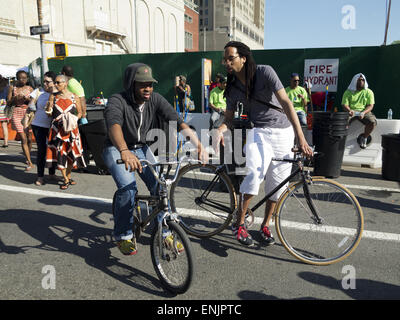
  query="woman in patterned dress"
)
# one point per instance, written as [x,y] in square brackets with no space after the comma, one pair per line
[19,97]
[64,147]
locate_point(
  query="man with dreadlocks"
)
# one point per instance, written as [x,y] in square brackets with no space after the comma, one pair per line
[276,124]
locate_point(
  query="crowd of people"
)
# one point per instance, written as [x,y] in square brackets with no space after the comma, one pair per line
[277,114]
[50,113]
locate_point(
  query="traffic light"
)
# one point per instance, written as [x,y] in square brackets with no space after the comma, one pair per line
[60,50]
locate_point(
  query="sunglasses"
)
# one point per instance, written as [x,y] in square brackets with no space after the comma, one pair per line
[296,80]
[59,82]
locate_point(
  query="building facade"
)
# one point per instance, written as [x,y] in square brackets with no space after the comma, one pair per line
[225,20]
[191,26]
[91,27]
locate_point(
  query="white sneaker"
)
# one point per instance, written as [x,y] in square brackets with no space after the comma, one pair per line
[363,142]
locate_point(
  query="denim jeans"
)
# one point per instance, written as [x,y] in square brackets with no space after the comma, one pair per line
[41,135]
[302,118]
[127,188]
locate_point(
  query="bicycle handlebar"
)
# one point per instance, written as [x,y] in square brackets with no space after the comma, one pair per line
[146,163]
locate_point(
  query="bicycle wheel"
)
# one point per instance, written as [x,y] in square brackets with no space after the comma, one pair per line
[204,200]
[327,242]
[172,257]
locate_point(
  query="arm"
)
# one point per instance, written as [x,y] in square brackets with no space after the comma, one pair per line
[219,133]
[348,109]
[78,107]
[368,108]
[292,116]
[10,96]
[188,132]
[132,163]
[83,106]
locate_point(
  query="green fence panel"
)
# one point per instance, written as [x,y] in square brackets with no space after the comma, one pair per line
[381,66]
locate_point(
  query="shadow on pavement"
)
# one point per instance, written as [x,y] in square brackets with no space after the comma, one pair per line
[58,233]
[364,288]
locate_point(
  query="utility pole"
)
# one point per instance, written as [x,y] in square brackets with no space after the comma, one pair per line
[45,66]
[387,22]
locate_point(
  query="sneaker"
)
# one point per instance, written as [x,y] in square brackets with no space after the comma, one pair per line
[266,236]
[127,247]
[363,142]
[169,240]
[242,235]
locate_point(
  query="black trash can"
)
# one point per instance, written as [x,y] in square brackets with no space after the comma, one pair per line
[95,134]
[391,156]
[329,138]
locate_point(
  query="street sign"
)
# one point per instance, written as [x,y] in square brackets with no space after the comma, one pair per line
[35,30]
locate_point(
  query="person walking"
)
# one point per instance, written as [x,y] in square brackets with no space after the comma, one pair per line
[19,97]
[41,124]
[64,146]
[3,103]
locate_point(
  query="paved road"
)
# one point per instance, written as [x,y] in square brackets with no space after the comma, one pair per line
[45,230]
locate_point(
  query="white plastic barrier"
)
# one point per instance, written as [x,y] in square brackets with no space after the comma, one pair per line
[372,155]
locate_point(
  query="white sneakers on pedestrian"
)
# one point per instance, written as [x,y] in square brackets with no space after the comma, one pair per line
[363,142]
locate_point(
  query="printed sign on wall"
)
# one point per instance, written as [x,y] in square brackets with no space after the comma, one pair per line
[322,73]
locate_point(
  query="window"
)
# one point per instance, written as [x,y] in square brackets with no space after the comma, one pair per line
[188,40]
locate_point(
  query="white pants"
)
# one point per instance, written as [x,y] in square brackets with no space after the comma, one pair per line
[262,145]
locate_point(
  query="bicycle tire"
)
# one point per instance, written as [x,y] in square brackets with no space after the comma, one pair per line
[204,216]
[173,278]
[313,243]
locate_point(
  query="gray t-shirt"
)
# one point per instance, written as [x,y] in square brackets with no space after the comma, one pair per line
[266,84]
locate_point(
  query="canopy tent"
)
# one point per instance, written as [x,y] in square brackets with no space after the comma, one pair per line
[10,71]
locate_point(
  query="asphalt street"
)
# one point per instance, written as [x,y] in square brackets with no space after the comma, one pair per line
[46,231]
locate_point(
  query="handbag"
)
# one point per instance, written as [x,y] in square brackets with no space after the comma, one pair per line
[30,113]
[27,119]
[8,111]
[69,121]
[189,104]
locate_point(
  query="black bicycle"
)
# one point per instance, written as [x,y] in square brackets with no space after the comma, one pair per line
[170,248]
[318,220]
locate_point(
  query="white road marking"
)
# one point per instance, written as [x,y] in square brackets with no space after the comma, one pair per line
[302,226]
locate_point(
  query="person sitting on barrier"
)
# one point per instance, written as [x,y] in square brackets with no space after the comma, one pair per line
[275,125]
[358,100]
[299,97]
[217,103]
[129,117]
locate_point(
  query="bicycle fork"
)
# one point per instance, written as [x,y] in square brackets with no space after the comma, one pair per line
[309,201]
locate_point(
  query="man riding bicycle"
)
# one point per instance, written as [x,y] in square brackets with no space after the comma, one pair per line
[259,90]
[129,116]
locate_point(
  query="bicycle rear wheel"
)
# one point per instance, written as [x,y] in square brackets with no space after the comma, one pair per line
[172,257]
[204,200]
[327,242]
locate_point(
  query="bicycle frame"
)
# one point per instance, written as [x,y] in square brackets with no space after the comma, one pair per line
[223,168]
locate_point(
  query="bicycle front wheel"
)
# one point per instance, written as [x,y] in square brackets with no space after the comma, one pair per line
[204,199]
[320,242]
[172,257]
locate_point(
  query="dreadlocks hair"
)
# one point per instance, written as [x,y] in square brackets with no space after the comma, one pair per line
[250,67]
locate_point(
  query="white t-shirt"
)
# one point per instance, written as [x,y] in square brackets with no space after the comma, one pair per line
[41,118]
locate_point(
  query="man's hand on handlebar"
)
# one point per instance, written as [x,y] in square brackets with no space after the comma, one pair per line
[132,163]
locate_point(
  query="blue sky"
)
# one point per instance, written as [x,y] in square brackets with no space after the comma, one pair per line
[318,23]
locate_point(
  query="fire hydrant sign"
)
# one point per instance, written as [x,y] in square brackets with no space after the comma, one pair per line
[322,73]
